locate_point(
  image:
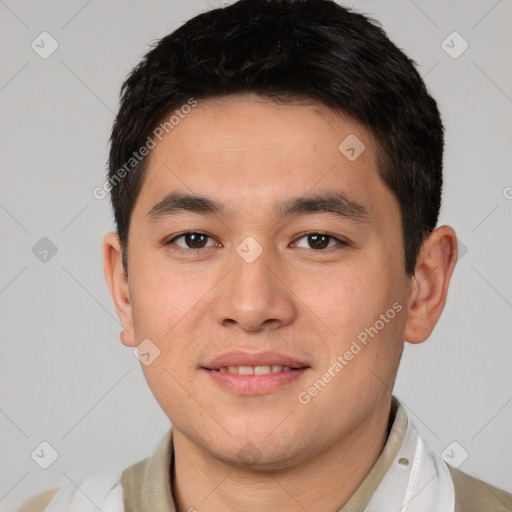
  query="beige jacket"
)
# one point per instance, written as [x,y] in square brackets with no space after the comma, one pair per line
[407,477]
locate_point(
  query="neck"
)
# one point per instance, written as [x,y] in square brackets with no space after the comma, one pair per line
[325,482]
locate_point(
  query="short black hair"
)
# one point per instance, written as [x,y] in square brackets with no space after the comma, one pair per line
[285,51]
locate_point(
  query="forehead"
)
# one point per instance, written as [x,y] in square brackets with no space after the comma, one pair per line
[249,151]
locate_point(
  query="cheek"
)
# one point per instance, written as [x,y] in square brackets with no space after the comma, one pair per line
[163,297]
[359,305]
[347,299]
[164,385]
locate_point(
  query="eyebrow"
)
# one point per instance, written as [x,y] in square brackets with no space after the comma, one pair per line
[175,203]
[336,203]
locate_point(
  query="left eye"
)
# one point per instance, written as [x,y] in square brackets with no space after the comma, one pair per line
[193,240]
[318,241]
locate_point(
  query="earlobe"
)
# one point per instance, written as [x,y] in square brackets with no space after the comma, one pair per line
[118,285]
[429,288]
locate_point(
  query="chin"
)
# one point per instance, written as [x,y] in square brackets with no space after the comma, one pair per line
[253,457]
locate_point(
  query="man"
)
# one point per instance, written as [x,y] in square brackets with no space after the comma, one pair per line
[275,173]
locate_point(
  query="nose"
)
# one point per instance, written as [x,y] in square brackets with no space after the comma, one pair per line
[255,296]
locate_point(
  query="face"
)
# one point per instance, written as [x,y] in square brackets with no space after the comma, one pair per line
[292,262]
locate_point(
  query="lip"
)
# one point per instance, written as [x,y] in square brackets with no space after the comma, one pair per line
[254,385]
[240,358]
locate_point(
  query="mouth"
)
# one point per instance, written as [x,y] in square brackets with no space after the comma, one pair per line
[266,362]
[256,370]
[254,374]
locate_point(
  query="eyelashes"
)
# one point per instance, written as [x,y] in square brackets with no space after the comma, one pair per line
[319,240]
[197,241]
[193,237]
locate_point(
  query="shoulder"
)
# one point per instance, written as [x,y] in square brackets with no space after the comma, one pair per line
[113,492]
[38,502]
[474,495]
[102,491]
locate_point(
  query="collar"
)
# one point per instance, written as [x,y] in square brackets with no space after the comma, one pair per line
[407,476]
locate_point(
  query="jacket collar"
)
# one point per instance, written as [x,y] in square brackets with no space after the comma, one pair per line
[407,476]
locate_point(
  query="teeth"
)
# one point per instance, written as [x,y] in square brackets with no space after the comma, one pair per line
[261,370]
[255,370]
[245,370]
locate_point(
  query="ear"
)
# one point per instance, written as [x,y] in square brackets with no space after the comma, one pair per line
[118,285]
[429,287]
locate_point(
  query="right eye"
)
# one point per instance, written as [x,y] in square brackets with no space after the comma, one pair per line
[192,240]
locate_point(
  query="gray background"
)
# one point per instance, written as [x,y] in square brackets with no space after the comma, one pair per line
[65,377]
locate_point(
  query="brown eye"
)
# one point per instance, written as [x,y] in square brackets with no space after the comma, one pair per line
[318,241]
[192,240]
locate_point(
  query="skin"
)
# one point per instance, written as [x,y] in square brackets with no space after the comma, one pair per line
[301,301]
